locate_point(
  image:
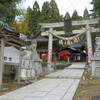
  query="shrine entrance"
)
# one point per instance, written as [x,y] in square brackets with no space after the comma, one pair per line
[87,29]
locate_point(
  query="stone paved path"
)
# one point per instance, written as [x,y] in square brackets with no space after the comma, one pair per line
[60,85]
[74,71]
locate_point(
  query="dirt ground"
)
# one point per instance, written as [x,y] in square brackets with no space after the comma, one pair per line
[87,88]
[9,85]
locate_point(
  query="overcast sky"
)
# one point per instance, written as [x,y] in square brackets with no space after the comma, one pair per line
[64,5]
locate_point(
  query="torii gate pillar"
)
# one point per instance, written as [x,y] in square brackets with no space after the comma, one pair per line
[50,50]
[89,44]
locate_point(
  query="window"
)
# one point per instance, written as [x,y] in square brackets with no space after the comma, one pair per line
[10,59]
[5,58]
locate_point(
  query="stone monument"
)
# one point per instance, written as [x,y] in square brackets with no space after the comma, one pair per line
[96,60]
[34,56]
[27,69]
[30,62]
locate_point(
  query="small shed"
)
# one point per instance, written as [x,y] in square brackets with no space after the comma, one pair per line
[8,37]
[11,55]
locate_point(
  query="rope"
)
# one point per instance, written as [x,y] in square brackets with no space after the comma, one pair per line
[69,38]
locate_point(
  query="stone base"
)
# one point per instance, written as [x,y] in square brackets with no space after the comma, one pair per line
[95,67]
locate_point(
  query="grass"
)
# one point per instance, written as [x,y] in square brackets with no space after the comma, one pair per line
[62,65]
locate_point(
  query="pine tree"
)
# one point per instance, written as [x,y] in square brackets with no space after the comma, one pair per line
[67,16]
[75,16]
[86,14]
[96,8]
[33,18]
[29,19]
[36,18]
[45,13]
[55,15]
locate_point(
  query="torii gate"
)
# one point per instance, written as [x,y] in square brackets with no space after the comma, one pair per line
[88,30]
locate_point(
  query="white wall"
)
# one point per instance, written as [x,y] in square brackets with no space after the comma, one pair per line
[12,54]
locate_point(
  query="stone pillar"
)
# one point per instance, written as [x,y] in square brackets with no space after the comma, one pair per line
[89,43]
[19,67]
[1,61]
[50,48]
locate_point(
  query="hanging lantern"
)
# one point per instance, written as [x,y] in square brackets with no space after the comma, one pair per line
[61,42]
[68,42]
[75,40]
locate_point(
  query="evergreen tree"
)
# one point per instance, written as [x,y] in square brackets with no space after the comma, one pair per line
[2,1]
[55,15]
[96,8]
[28,16]
[86,14]
[67,16]
[75,16]
[36,18]
[33,18]
[61,18]
[29,19]
[45,13]
[8,10]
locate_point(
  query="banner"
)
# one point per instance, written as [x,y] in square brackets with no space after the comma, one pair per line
[22,36]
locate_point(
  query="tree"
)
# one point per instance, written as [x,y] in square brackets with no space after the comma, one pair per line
[64,54]
[32,18]
[67,16]
[86,14]
[75,16]
[29,20]
[55,15]
[29,15]
[36,18]
[45,13]
[96,8]
[8,11]
[2,1]
[22,14]
[21,27]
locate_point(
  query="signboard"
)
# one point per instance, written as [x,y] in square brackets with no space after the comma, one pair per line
[22,36]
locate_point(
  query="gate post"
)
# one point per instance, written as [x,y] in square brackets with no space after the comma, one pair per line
[50,49]
[89,43]
[1,61]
